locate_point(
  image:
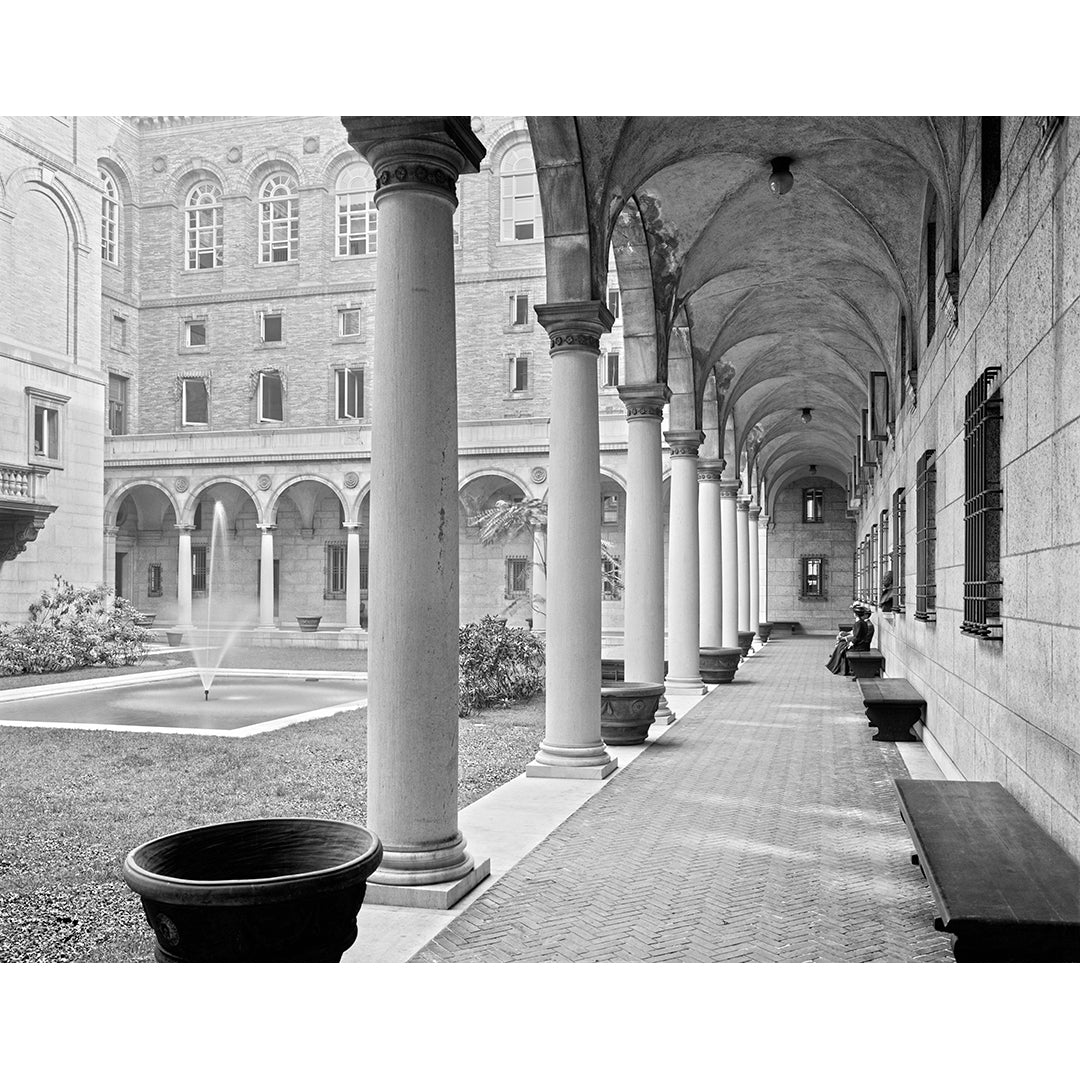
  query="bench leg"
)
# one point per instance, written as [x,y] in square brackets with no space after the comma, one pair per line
[893,722]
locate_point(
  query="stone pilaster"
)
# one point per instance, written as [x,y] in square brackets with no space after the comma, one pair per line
[266,577]
[729,558]
[572,746]
[413,597]
[684,601]
[643,577]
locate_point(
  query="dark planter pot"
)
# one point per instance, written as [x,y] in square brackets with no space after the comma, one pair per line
[627,710]
[308,623]
[174,637]
[265,890]
[145,618]
[719,665]
[746,639]
[764,629]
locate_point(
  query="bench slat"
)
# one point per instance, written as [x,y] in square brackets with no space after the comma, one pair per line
[898,691]
[987,861]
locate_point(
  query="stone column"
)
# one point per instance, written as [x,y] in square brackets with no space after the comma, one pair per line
[109,565]
[352,576]
[266,577]
[763,567]
[710,621]
[643,580]
[729,557]
[684,601]
[539,582]
[742,536]
[183,578]
[412,745]
[753,513]
[571,747]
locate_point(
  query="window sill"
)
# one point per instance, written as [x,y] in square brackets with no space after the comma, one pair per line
[517,328]
[191,426]
[190,271]
[37,461]
[518,395]
[193,350]
[353,258]
[519,243]
[350,339]
[269,344]
[286,262]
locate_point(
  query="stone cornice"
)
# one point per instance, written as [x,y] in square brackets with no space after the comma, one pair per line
[254,295]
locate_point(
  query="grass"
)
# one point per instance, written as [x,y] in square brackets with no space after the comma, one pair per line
[73,803]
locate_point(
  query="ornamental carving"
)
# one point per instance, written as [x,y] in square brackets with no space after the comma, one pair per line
[651,412]
[263,483]
[707,473]
[235,154]
[684,450]
[180,483]
[575,341]
[159,164]
[417,174]
[539,475]
[351,479]
[311,144]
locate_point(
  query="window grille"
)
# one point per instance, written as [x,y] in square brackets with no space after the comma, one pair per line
[813,577]
[982,508]
[334,588]
[205,232]
[926,537]
[198,568]
[517,576]
[899,559]
[153,579]
[813,503]
[885,554]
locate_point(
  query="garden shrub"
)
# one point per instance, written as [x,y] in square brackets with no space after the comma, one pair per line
[499,665]
[72,627]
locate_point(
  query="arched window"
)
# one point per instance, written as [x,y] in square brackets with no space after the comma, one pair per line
[205,233]
[110,219]
[279,219]
[356,214]
[520,199]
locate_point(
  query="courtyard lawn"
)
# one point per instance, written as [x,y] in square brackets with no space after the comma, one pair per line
[73,803]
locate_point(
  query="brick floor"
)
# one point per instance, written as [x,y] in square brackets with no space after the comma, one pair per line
[764,827]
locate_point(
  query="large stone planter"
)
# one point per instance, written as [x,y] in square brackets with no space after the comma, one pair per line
[719,665]
[260,890]
[308,623]
[764,630]
[627,710]
[145,618]
[746,639]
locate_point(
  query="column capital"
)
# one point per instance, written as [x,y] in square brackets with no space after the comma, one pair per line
[111,530]
[352,526]
[575,325]
[743,502]
[729,489]
[644,401]
[709,471]
[755,510]
[684,443]
[184,528]
[764,521]
[420,152]
[266,527]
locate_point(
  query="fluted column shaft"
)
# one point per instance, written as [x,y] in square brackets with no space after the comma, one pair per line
[183,578]
[572,746]
[412,741]
[711,629]
[729,558]
[266,577]
[742,535]
[753,513]
[684,601]
[352,575]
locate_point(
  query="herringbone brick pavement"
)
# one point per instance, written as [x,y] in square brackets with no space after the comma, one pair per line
[764,827]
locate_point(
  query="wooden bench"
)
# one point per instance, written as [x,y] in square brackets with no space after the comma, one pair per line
[867,664]
[786,627]
[1004,889]
[892,706]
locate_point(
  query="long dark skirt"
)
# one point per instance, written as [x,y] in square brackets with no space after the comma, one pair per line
[836,661]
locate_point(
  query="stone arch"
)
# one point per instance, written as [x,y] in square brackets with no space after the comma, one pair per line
[38,178]
[115,499]
[192,172]
[270,513]
[262,165]
[203,485]
[502,139]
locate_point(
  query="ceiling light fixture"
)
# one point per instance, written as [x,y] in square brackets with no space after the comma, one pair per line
[813,470]
[806,416]
[781,180]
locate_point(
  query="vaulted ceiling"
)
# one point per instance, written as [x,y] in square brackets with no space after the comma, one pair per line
[788,301]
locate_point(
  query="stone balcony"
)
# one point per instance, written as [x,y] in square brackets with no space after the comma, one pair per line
[23,507]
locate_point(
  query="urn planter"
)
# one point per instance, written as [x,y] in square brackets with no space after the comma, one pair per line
[764,630]
[719,665]
[627,710]
[308,623]
[145,618]
[746,639]
[174,637]
[260,890]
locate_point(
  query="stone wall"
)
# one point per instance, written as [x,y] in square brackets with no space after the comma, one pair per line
[1004,710]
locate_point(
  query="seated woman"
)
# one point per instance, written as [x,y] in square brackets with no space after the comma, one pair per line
[859,639]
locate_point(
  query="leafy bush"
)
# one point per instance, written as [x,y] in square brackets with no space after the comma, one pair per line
[499,665]
[72,627]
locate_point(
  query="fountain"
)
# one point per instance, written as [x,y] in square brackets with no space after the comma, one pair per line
[218,583]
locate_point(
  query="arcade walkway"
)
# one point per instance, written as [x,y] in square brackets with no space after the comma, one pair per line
[762,827]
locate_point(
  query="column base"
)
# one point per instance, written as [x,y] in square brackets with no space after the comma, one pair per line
[571,772]
[272,626]
[572,762]
[440,896]
[685,686]
[663,714]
